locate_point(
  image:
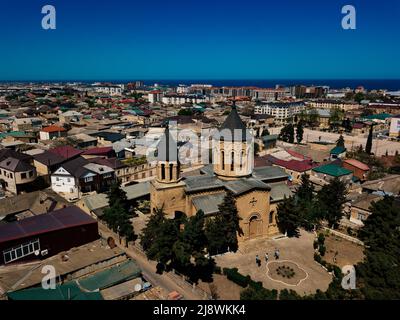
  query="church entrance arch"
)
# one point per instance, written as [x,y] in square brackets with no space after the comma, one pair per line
[255,226]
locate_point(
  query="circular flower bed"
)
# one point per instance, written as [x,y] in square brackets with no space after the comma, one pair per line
[285,271]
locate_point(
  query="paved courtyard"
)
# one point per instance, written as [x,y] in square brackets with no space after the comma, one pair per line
[297,253]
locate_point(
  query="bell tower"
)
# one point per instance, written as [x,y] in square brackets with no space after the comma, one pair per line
[233,154]
[168,167]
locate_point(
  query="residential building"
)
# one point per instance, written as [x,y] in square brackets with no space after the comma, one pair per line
[361,208]
[45,235]
[27,124]
[52,132]
[360,170]
[394,130]
[282,111]
[330,171]
[79,176]
[16,174]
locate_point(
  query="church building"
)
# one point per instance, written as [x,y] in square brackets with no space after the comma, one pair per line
[257,190]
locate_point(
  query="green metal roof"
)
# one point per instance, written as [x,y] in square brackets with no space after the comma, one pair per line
[68,291]
[125,271]
[380,116]
[338,150]
[332,170]
[12,134]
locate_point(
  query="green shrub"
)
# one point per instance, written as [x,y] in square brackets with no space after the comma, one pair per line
[236,277]
[321,238]
[322,250]
[317,257]
[315,244]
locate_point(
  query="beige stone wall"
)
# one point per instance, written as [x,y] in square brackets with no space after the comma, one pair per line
[254,209]
[169,196]
[41,169]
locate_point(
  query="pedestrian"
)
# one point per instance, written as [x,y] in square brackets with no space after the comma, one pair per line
[266,257]
[277,254]
[258,261]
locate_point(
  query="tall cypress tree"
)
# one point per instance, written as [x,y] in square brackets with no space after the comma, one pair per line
[289,218]
[368,146]
[230,219]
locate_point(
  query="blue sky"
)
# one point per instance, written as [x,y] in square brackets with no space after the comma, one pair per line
[193,39]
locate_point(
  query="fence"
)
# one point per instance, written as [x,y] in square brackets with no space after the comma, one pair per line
[344,236]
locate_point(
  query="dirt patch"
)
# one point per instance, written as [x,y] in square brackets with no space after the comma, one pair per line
[224,288]
[342,252]
[287,272]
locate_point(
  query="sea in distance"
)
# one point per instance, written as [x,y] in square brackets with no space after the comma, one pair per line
[369,84]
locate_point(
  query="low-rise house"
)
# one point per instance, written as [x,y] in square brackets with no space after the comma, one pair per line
[106,152]
[79,176]
[52,132]
[361,208]
[49,161]
[27,124]
[16,174]
[337,153]
[108,137]
[331,171]
[29,204]
[70,116]
[83,140]
[388,185]
[360,170]
[45,235]
[294,168]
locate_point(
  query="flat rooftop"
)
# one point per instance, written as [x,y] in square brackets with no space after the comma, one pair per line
[17,277]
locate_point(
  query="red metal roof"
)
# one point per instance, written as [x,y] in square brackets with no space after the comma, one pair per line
[295,165]
[100,150]
[66,152]
[357,164]
[57,220]
[53,129]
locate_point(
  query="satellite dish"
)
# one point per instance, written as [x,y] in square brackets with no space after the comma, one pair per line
[138,287]
[37,252]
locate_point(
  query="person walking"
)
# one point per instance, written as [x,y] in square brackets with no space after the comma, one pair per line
[266,257]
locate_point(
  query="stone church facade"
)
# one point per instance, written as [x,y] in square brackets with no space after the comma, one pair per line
[257,191]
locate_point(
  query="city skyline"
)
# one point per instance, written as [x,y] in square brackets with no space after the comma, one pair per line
[180,40]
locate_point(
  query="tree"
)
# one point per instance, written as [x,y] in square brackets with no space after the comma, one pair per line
[305,192]
[368,146]
[117,194]
[313,116]
[340,142]
[118,219]
[299,132]
[331,199]
[287,133]
[378,274]
[222,230]
[230,219]
[289,217]
[152,228]
[215,235]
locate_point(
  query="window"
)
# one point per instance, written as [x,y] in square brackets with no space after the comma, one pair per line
[171,171]
[271,217]
[21,251]
[163,171]
[68,179]
[223,160]
[232,161]
[23,175]
[88,179]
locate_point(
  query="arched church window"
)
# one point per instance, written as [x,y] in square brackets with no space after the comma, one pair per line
[171,171]
[232,161]
[223,160]
[163,171]
[241,160]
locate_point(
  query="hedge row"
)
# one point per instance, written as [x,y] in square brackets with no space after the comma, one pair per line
[237,277]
